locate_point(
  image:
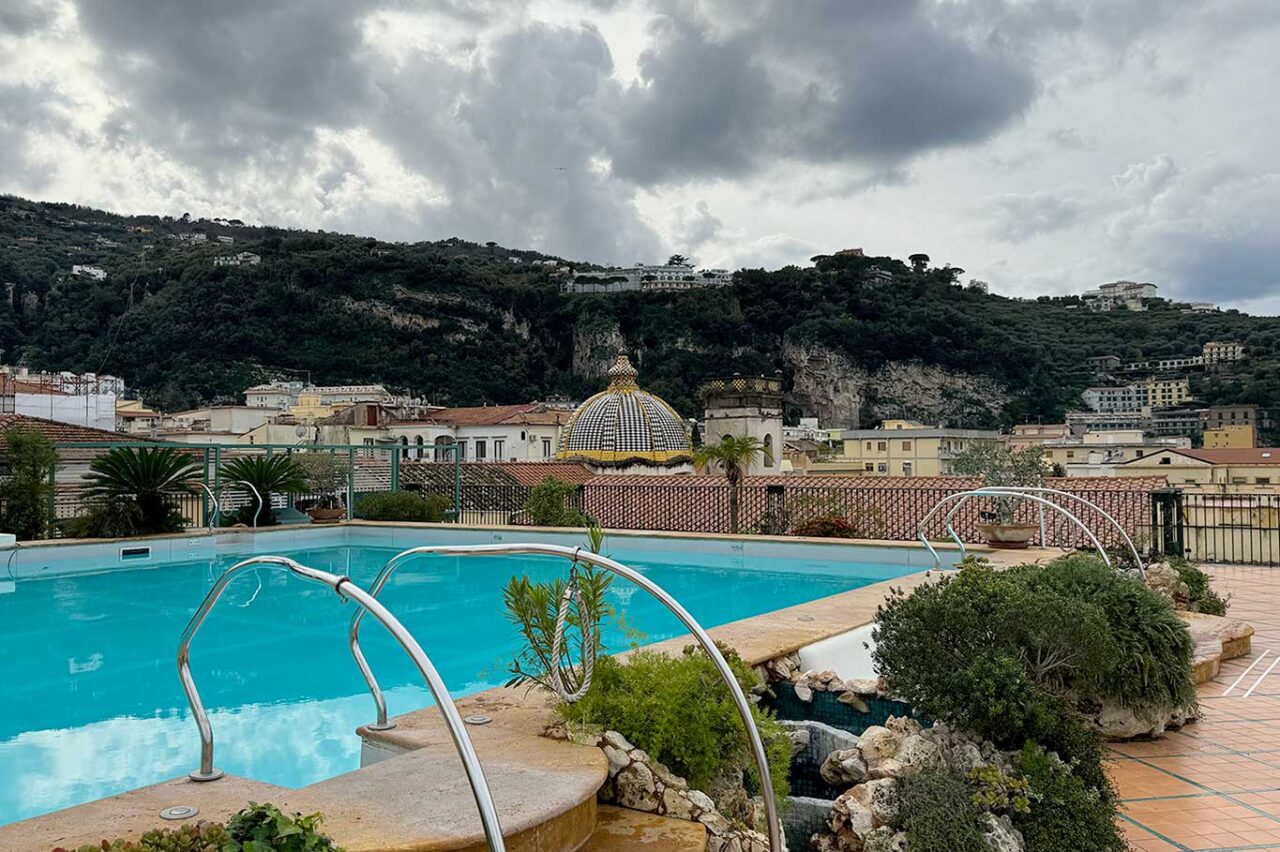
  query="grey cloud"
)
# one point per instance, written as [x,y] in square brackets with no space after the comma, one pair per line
[19,17]
[23,109]
[824,81]
[1019,217]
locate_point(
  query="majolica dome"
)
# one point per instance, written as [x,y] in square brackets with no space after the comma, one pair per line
[625,425]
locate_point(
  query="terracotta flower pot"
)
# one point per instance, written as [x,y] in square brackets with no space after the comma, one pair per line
[1008,536]
[326,516]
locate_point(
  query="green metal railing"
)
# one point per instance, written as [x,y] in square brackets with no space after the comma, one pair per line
[212,457]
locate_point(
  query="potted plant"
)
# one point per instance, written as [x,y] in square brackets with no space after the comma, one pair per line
[326,477]
[1000,466]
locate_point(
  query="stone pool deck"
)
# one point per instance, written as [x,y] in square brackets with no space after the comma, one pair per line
[1214,786]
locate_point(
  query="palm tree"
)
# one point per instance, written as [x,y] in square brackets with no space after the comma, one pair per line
[137,487]
[267,474]
[734,455]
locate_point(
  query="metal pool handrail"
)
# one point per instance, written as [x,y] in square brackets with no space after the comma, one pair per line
[1128,540]
[1003,492]
[217,504]
[367,602]
[577,553]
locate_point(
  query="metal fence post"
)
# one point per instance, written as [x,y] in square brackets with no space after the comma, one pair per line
[53,498]
[204,495]
[457,485]
[395,470]
[351,482]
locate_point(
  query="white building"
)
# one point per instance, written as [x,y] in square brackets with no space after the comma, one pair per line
[97,273]
[679,276]
[244,258]
[750,407]
[221,419]
[1117,294]
[89,407]
[1222,352]
[529,432]
[284,395]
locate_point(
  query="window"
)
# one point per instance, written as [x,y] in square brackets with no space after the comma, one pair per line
[482,450]
[462,450]
[1263,480]
[906,468]
[1166,460]
[546,448]
[404,442]
[882,446]
[1237,480]
[869,467]
[882,468]
[499,447]
[1071,454]
[868,445]
[418,443]
[1141,453]
[906,445]
[768,451]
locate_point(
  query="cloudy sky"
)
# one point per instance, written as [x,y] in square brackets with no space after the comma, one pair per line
[1045,146]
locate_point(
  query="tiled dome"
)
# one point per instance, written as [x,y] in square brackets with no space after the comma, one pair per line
[625,425]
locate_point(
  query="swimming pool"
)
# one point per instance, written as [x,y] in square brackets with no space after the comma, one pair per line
[91,701]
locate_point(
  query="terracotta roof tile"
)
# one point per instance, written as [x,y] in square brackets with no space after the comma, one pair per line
[58,432]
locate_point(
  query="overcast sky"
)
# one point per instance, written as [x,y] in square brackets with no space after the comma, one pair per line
[1046,146]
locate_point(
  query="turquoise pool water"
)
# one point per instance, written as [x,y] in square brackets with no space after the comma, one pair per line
[90,703]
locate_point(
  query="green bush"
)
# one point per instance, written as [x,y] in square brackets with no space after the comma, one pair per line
[938,813]
[278,474]
[1067,814]
[548,505]
[257,828]
[1199,587]
[403,506]
[134,491]
[993,652]
[679,711]
[25,488]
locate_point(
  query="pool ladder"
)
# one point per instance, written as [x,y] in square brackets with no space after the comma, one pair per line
[576,555]
[1036,496]
[367,603]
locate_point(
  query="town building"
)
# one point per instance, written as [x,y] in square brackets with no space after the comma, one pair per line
[1104,364]
[528,432]
[1210,469]
[644,277]
[286,395]
[624,429]
[216,424]
[60,397]
[1238,437]
[1036,434]
[1154,392]
[97,273]
[1223,352]
[902,448]
[1098,453]
[244,258]
[134,418]
[746,406]
[1120,294]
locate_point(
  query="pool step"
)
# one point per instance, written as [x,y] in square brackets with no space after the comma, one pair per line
[622,830]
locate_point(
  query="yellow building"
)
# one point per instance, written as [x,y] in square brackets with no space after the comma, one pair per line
[1162,393]
[1231,437]
[1210,469]
[311,407]
[902,448]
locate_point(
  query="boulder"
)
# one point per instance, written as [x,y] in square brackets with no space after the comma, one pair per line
[635,788]
[844,768]
[999,834]
[880,798]
[1166,581]
[878,743]
[676,804]
[885,839]
[854,700]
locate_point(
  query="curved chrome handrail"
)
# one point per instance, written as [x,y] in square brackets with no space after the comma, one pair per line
[367,602]
[708,645]
[1133,550]
[995,492]
[256,494]
[217,504]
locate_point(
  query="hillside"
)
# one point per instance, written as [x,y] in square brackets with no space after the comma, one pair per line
[462,323]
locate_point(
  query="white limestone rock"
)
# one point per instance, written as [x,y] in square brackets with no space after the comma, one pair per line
[844,768]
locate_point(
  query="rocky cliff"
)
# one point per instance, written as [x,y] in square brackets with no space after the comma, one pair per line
[825,385]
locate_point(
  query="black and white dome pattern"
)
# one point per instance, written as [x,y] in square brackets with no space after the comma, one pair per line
[625,425]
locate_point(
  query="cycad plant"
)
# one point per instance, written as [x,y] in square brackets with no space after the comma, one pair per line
[734,455]
[134,490]
[267,474]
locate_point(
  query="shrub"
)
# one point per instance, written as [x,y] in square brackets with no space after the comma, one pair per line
[133,491]
[25,490]
[548,504]
[257,828]
[1067,814]
[938,813]
[1199,588]
[679,711]
[826,526]
[279,474]
[403,506]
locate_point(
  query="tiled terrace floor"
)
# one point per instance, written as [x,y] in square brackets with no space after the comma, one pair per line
[1215,785]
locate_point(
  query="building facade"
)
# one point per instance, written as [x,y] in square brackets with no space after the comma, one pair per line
[679,276]
[1120,294]
[746,406]
[903,448]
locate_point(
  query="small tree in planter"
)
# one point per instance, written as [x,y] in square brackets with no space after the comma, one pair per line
[1002,467]
[326,476]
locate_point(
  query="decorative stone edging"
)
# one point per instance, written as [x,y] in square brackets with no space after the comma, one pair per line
[639,782]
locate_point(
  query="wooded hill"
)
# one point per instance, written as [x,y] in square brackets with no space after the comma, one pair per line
[463,324]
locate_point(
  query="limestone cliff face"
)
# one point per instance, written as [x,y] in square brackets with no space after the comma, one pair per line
[841,395]
[595,345]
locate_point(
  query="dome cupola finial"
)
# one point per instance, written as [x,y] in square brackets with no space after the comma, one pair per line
[622,376]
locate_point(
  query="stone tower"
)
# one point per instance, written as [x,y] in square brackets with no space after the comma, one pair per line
[746,406]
